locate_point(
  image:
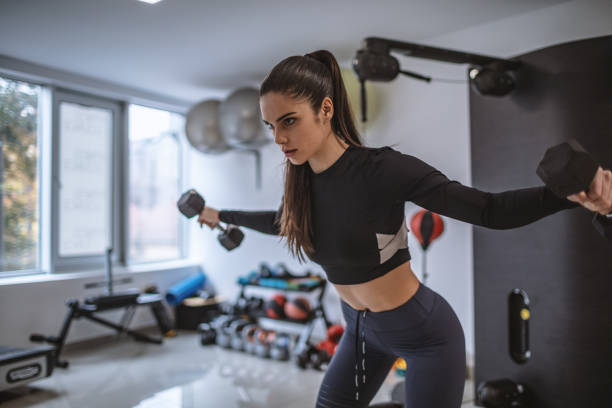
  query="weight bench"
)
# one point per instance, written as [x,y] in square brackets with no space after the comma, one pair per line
[89,309]
[21,366]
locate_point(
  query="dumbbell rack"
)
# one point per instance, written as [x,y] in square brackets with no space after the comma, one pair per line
[316,312]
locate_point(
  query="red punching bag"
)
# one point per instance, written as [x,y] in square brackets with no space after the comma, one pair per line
[427,226]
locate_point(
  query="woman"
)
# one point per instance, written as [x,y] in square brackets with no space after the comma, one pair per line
[343,206]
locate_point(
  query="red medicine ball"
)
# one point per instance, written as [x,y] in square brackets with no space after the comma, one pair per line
[275,306]
[334,333]
[297,309]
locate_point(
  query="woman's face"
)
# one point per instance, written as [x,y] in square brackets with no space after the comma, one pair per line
[296,128]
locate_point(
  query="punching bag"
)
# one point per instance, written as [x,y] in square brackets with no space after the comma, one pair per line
[427,226]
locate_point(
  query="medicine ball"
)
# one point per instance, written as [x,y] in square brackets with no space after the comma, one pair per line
[275,306]
[334,332]
[297,309]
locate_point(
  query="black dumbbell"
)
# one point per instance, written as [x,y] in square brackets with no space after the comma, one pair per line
[191,204]
[207,334]
[568,169]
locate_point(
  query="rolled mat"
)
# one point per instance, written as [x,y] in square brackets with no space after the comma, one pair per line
[185,288]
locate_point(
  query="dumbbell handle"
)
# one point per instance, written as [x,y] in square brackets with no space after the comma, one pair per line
[221,227]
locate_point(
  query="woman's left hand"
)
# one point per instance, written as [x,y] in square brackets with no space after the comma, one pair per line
[599,196]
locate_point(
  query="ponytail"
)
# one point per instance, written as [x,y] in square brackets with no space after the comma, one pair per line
[343,122]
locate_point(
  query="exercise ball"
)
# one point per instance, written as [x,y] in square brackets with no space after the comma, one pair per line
[240,120]
[202,128]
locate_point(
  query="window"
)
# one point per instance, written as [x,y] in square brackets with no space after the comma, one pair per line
[155,183]
[87,178]
[85,172]
[19,180]
[80,173]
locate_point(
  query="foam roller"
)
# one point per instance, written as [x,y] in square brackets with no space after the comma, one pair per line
[185,288]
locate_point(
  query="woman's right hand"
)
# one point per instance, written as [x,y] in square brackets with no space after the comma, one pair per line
[209,216]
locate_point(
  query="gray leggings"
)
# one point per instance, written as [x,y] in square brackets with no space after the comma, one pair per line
[424,331]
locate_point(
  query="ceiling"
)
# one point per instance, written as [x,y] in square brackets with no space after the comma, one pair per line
[188,49]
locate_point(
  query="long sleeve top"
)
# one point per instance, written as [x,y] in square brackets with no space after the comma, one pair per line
[359,225]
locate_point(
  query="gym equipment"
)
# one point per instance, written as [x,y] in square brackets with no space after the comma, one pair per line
[222,326]
[567,169]
[77,310]
[503,393]
[248,337]
[21,366]
[191,203]
[280,347]
[235,332]
[195,310]
[248,306]
[390,404]
[297,309]
[374,62]
[427,226]
[265,270]
[519,315]
[127,300]
[313,357]
[207,334]
[317,311]
[202,128]
[240,119]
[185,288]
[275,306]
[262,347]
[335,332]
[274,283]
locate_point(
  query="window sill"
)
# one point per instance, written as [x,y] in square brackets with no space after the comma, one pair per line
[117,270]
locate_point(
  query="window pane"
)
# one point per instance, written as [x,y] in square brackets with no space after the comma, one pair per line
[154,184]
[85,159]
[19,175]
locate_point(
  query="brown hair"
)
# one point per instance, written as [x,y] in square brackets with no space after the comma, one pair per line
[311,77]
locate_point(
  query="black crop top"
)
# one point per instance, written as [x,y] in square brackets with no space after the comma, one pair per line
[359,225]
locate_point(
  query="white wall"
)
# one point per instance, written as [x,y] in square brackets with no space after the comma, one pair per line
[429,121]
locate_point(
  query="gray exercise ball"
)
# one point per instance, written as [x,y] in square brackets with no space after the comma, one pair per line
[202,128]
[240,120]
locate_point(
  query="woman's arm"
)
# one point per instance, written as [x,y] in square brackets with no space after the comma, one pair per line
[267,222]
[407,178]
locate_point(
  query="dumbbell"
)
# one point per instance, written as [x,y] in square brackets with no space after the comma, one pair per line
[280,347]
[248,336]
[191,204]
[262,345]
[235,330]
[208,334]
[568,169]
[223,336]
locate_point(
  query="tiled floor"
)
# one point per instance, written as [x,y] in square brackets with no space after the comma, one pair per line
[178,374]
